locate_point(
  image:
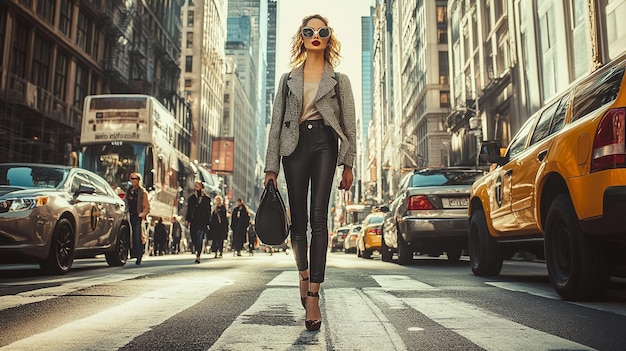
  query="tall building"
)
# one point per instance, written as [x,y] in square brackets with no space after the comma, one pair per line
[365,166]
[254,73]
[202,66]
[54,53]
[271,65]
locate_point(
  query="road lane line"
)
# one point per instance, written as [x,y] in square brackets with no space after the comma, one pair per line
[401,282]
[113,328]
[549,293]
[360,328]
[385,298]
[486,329]
[37,295]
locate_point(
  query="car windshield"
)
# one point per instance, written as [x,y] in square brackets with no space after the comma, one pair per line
[376,219]
[32,176]
[444,177]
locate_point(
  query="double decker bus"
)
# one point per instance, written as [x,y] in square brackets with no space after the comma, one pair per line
[127,133]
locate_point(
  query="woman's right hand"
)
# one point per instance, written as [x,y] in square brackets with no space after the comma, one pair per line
[270,176]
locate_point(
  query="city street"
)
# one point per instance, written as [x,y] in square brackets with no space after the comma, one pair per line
[251,303]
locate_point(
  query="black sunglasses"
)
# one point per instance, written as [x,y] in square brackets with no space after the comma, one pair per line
[322,32]
[133,178]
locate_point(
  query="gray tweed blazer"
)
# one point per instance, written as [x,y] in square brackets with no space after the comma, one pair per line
[284,134]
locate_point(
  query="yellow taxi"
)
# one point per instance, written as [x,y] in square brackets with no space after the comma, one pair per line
[560,189]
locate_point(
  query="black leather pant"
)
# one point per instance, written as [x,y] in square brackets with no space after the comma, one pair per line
[314,160]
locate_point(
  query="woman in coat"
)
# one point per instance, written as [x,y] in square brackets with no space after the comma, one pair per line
[305,131]
[198,216]
[219,226]
[239,220]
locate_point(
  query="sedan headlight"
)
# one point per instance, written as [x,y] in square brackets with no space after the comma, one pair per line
[22,204]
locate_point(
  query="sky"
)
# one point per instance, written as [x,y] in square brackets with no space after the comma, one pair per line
[344,16]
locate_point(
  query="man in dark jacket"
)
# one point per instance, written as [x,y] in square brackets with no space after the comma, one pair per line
[239,220]
[160,238]
[176,235]
[198,216]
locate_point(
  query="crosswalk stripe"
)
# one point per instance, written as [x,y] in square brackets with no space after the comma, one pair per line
[549,293]
[492,332]
[103,330]
[285,278]
[276,320]
[23,298]
[363,315]
[401,282]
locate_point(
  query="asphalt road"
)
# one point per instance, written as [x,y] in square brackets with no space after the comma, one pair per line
[252,303]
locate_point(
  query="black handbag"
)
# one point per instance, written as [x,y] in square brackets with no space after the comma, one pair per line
[272,223]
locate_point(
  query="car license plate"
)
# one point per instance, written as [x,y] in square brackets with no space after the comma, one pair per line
[457,202]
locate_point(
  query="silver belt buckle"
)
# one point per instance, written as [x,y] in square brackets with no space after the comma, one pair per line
[310,126]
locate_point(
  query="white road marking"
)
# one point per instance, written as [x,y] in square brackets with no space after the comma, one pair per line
[37,295]
[286,278]
[113,328]
[274,322]
[360,328]
[486,329]
[549,293]
[401,282]
[385,298]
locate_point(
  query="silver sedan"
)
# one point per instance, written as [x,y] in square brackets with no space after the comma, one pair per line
[53,214]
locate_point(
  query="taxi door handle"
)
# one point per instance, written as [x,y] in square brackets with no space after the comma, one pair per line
[542,155]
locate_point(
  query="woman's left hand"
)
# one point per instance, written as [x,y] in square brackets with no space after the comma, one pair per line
[347,177]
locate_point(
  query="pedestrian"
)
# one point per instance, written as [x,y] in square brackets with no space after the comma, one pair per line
[317,112]
[239,220]
[138,208]
[160,238]
[219,226]
[198,216]
[176,235]
[251,238]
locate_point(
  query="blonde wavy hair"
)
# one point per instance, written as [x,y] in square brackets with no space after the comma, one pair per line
[298,52]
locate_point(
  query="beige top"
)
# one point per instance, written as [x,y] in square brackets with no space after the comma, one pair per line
[309,112]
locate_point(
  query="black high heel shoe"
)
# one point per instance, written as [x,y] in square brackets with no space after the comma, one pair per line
[303,299]
[313,324]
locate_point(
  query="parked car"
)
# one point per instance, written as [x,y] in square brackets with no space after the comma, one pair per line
[336,243]
[349,243]
[560,189]
[429,214]
[368,239]
[53,214]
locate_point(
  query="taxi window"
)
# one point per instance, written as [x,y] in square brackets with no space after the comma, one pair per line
[376,219]
[101,186]
[597,91]
[559,118]
[519,141]
[542,130]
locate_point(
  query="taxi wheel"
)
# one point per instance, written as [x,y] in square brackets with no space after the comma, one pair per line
[485,256]
[61,254]
[119,255]
[577,264]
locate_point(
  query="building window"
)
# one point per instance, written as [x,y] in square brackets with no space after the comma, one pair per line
[20,43]
[45,9]
[442,36]
[187,83]
[444,71]
[189,40]
[83,32]
[80,89]
[60,76]
[41,63]
[189,18]
[444,99]
[190,3]
[65,17]
[442,15]
[188,63]
[95,48]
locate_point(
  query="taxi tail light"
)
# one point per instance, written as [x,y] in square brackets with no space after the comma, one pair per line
[609,149]
[373,231]
[419,202]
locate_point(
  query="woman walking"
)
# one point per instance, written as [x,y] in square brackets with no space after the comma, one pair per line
[304,132]
[198,216]
[138,208]
[239,220]
[219,227]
